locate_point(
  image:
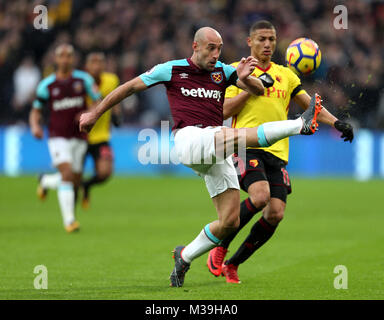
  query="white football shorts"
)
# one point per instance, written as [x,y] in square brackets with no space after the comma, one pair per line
[195,148]
[68,150]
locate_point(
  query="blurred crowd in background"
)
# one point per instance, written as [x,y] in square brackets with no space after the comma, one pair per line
[135,35]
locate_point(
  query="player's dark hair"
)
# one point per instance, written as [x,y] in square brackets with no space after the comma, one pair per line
[94,53]
[261,24]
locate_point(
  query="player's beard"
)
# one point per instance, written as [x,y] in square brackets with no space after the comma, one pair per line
[210,65]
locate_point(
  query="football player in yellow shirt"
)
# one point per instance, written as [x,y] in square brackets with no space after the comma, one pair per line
[98,138]
[262,174]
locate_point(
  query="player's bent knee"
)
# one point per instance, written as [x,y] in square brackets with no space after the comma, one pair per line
[68,175]
[260,199]
[274,218]
[104,175]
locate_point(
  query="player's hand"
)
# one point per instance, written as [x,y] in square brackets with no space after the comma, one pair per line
[37,132]
[87,121]
[267,80]
[346,129]
[246,67]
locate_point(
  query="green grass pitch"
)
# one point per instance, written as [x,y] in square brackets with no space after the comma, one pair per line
[123,250]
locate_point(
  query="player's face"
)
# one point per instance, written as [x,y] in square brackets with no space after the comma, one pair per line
[262,43]
[208,53]
[64,60]
[95,65]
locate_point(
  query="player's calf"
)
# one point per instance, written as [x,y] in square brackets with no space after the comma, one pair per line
[260,199]
[66,194]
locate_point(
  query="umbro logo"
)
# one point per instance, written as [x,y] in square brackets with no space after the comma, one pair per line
[55,91]
[183,75]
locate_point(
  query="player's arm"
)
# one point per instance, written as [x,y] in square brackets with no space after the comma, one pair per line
[88,119]
[35,115]
[247,82]
[252,85]
[158,74]
[234,105]
[35,123]
[326,117]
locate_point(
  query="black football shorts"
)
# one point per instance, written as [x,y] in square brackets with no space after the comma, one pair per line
[261,165]
[100,150]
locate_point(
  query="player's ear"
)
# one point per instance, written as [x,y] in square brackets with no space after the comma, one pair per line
[194,45]
[249,41]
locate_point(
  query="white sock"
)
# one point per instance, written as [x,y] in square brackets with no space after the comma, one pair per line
[271,132]
[66,195]
[204,242]
[51,181]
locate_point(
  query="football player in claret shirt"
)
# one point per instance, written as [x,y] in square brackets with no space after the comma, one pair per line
[263,174]
[99,147]
[64,93]
[195,89]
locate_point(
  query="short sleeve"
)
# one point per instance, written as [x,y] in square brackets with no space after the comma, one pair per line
[42,95]
[295,86]
[158,74]
[230,73]
[89,84]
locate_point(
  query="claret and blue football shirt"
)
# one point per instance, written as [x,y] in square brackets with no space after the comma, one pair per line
[195,96]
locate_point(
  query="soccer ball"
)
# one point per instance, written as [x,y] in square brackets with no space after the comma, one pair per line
[303,56]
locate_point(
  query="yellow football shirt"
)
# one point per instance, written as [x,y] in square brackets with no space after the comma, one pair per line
[101,130]
[272,106]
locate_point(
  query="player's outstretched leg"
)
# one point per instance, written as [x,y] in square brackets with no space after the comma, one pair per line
[233,140]
[270,132]
[181,267]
